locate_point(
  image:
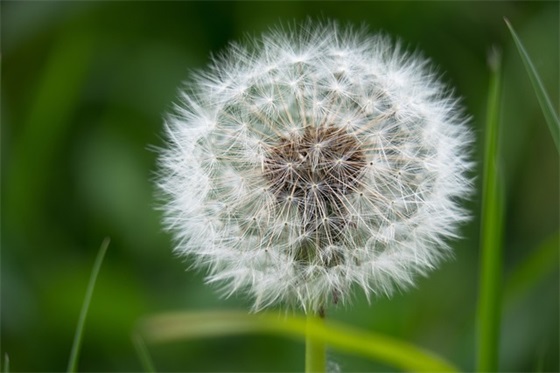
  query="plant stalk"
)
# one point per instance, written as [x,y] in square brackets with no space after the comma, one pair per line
[315,349]
[490,293]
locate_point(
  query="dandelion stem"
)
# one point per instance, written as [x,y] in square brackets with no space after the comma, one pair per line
[315,349]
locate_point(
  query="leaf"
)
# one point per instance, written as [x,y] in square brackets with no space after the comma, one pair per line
[143,353]
[546,105]
[488,316]
[184,325]
[73,360]
[6,364]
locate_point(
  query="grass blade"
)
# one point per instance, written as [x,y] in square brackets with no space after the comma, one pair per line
[6,364]
[182,326]
[73,360]
[546,105]
[488,317]
[143,353]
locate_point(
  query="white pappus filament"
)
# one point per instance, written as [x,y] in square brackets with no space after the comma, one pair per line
[312,160]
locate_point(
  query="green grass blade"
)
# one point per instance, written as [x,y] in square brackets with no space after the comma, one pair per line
[488,317]
[546,105]
[143,353]
[6,364]
[73,360]
[182,326]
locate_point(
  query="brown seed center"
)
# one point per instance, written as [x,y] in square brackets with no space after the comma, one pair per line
[315,170]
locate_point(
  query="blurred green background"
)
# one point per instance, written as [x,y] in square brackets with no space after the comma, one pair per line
[85,86]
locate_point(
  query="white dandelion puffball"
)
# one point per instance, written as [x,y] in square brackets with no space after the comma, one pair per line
[313,160]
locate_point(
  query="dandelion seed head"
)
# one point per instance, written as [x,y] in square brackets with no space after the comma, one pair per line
[313,160]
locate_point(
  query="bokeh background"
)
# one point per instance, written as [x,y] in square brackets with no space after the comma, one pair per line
[85,86]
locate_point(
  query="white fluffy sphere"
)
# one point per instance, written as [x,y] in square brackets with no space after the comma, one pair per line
[311,160]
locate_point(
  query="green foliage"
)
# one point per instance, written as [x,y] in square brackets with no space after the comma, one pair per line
[84,86]
[490,297]
[75,352]
[180,326]
[546,105]
[6,364]
[143,353]
[539,264]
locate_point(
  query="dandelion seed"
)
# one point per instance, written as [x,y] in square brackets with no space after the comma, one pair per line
[313,160]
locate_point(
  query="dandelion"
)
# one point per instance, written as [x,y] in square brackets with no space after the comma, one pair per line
[314,160]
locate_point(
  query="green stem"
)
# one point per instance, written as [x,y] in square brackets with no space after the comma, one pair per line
[315,349]
[491,234]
